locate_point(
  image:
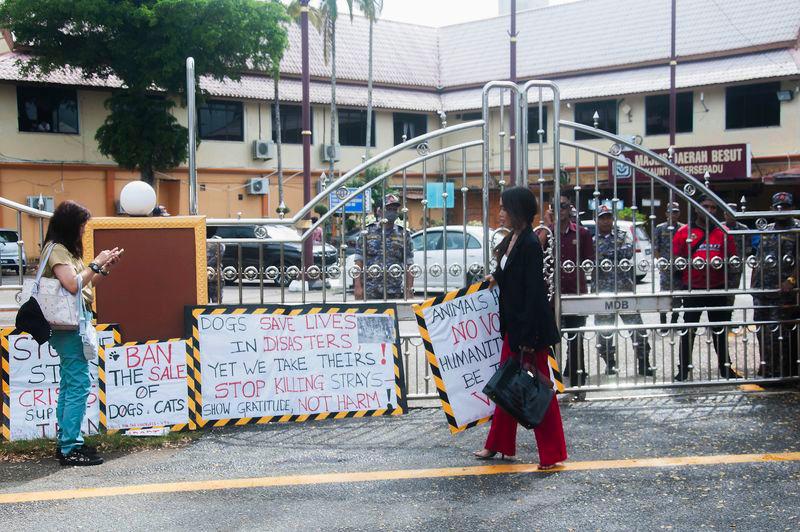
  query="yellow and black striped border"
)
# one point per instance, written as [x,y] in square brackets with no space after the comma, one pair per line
[5,388]
[431,356]
[101,382]
[194,366]
[5,371]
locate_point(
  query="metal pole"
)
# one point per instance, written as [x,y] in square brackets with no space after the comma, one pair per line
[306,118]
[512,119]
[192,120]
[673,63]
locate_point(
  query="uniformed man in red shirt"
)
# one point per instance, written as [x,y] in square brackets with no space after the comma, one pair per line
[705,242]
[576,247]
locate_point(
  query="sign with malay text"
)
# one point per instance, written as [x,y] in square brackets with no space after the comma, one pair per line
[31,378]
[725,162]
[461,333]
[287,363]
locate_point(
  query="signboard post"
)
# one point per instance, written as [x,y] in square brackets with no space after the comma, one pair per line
[355,205]
[724,162]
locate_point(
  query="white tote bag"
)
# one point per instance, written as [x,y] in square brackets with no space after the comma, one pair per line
[60,308]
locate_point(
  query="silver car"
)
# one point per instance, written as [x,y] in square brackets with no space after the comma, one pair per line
[10,251]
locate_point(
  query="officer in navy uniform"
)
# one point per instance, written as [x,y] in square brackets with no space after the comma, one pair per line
[386,245]
[777,256]
[613,247]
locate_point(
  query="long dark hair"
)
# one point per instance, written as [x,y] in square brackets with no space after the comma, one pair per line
[65,226]
[521,206]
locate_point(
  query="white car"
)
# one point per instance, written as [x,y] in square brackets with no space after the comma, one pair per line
[436,254]
[643,250]
[451,245]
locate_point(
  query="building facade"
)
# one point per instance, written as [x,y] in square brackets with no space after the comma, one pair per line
[738,80]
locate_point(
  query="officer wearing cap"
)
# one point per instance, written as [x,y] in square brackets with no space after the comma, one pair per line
[662,245]
[612,247]
[385,244]
[776,270]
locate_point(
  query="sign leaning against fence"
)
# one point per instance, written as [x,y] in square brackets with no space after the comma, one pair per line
[254,364]
[461,334]
[144,385]
[30,376]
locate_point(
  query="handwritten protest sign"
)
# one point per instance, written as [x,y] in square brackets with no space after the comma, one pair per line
[31,386]
[461,334]
[295,363]
[144,385]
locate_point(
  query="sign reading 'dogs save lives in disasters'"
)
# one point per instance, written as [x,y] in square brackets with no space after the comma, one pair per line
[145,385]
[296,363]
[32,384]
[461,334]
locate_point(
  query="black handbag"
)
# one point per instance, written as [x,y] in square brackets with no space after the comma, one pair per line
[30,319]
[524,394]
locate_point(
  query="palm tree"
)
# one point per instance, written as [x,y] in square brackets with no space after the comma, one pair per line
[329,12]
[371,10]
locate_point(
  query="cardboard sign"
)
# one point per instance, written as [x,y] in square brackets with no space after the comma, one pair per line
[31,387]
[257,364]
[144,385]
[461,334]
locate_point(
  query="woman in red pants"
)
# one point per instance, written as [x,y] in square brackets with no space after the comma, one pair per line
[527,325]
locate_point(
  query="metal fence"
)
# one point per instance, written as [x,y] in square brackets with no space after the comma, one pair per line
[735,319]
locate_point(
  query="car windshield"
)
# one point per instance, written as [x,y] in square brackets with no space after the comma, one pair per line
[641,234]
[8,236]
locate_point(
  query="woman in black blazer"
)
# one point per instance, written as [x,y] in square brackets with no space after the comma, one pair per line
[527,325]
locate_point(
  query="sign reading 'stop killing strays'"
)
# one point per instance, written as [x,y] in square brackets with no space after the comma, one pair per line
[727,162]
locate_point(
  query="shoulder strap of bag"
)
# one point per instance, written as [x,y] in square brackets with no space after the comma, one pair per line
[44,259]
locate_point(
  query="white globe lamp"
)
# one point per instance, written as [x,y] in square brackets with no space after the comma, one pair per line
[137,198]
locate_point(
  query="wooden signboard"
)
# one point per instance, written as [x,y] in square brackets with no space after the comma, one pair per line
[162,271]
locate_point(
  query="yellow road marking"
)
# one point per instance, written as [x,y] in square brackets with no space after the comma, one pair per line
[400,474]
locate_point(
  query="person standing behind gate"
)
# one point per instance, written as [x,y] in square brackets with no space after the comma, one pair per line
[397,242]
[526,324]
[65,263]
[692,243]
[576,246]
[612,246]
[777,270]
[670,277]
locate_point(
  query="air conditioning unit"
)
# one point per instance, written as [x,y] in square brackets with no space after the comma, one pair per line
[258,186]
[263,149]
[43,203]
[331,153]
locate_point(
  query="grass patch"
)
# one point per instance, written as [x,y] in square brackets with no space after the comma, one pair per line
[31,450]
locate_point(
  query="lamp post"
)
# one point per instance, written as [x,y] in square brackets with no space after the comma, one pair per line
[512,118]
[306,119]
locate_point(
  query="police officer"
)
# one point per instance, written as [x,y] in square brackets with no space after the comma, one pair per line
[386,245]
[777,270]
[662,240]
[613,247]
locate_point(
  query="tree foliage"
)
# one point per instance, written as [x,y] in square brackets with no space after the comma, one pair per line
[144,44]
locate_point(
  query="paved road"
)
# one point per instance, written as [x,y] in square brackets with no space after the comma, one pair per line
[377,474]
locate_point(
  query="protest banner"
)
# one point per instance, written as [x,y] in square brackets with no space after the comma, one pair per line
[30,374]
[254,364]
[144,385]
[461,334]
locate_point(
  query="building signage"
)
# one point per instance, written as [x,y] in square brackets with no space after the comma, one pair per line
[727,162]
